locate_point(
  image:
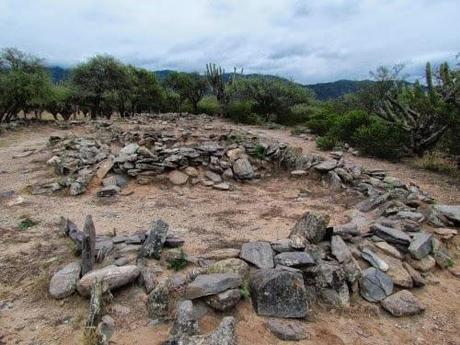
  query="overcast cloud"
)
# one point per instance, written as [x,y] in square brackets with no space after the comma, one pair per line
[306,40]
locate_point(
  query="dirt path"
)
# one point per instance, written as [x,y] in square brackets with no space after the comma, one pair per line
[206,219]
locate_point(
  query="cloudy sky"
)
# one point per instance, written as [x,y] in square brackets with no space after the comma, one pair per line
[306,40]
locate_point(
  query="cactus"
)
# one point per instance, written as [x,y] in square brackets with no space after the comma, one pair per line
[429,77]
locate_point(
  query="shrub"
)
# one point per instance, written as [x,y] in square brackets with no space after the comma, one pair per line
[327,142]
[210,106]
[345,126]
[241,111]
[321,122]
[435,161]
[380,140]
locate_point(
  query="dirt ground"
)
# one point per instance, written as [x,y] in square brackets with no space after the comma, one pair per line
[207,219]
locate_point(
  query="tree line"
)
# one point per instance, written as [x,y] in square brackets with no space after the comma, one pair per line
[387,117]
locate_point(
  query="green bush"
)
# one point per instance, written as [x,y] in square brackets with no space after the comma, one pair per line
[380,140]
[321,122]
[209,105]
[346,125]
[327,142]
[241,112]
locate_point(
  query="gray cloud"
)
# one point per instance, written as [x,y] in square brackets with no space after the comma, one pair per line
[307,40]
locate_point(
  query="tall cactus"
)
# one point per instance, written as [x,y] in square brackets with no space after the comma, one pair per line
[429,77]
[215,75]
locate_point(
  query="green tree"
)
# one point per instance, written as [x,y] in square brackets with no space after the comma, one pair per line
[189,86]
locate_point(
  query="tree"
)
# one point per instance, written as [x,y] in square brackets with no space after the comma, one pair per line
[97,80]
[220,82]
[189,86]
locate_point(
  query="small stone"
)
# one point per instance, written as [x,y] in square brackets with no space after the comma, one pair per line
[64,282]
[424,265]
[374,259]
[294,259]
[298,173]
[402,303]
[446,233]
[225,300]
[311,227]
[282,246]
[191,171]
[177,177]
[326,165]
[216,178]
[421,245]
[129,149]
[221,186]
[259,254]
[108,191]
[211,284]
[375,285]
[287,330]
[389,249]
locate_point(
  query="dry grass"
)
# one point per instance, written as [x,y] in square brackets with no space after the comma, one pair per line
[437,162]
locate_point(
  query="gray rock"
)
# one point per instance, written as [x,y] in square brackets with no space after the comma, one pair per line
[225,300]
[112,277]
[224,334]
[294,259]
[426,264]
[231,265]
[211,284]
[402,303]
[334,180]
[415,216]
[108,191]
[216,178]
[278,293]
[337,297]
[389,249]
[243,169]
[185,323]
[259,254]
[452,212]
[368,255]
[105,329]
[420,245]
[89,246]
[177,177]
[311,227]
[64,282]
[340,249]
[326,274]
[375,285]
[282,246]
[441,254]
[287,330]
[129,149]
[352,271]
[417,279]
[391,235]
[326,165]
[155,240]
[221,186]
[158,301]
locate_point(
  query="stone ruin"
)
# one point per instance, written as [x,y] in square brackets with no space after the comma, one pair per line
[403,237]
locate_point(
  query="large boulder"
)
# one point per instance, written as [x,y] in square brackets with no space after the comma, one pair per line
[211,284]
[278,293]
[112,277]
[155,240]
[403,303]
[243,169]
[231,265]
[311,227]
[260,254]
[375,285]
[64,282]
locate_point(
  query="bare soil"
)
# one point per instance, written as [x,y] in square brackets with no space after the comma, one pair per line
[207,219]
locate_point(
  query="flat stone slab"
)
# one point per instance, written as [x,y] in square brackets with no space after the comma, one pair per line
[112,277]
[372,258]
[212,284]
[340,249]
[391,235]
[326,165]
[287,330]
[64,282]
[278,293]
[402,303]
[421,245]
[260,254]
[294,259]
[452,212]
[375,285]
[225,300]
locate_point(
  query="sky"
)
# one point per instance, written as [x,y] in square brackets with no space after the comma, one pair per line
[308,41]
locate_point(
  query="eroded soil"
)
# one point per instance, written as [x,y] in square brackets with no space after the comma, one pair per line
[207,219]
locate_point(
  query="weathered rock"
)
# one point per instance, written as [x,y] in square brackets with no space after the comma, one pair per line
[298,173]
[105,329]
[339,297]
[108,191]
[452,212]
[278,293]
[389,249]
[191,171]
[259,254]
[287,330]
[177,177]
[334,180]
[420,245]
[368,255]
[340,249]
[231,265]
[311,226]
[89,246]
[225,300]
[445,233]
[398,273]
[441,254]
[424,265]
[112,277]
[243,169]
[391,235]
[221,186]
[326,274]
[211,284]
[414,216]
[224,334]
[402,303]
[148,277]
[220,254]
[129,149]
[417,279]
[282,246]
[352,271]
[294,259]
[216,178]
[64,282]
[158,301]
[155,240]
[375,285]
[185,323]
[326,165]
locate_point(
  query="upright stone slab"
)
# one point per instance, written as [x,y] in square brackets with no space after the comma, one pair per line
[155,240]
[89,246]
[421,245]
[311,227]
[278,293]
[258,253]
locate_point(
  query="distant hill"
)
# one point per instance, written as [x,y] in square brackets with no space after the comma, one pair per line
[323,91]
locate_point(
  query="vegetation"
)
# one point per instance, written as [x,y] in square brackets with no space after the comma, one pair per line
[384,117]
